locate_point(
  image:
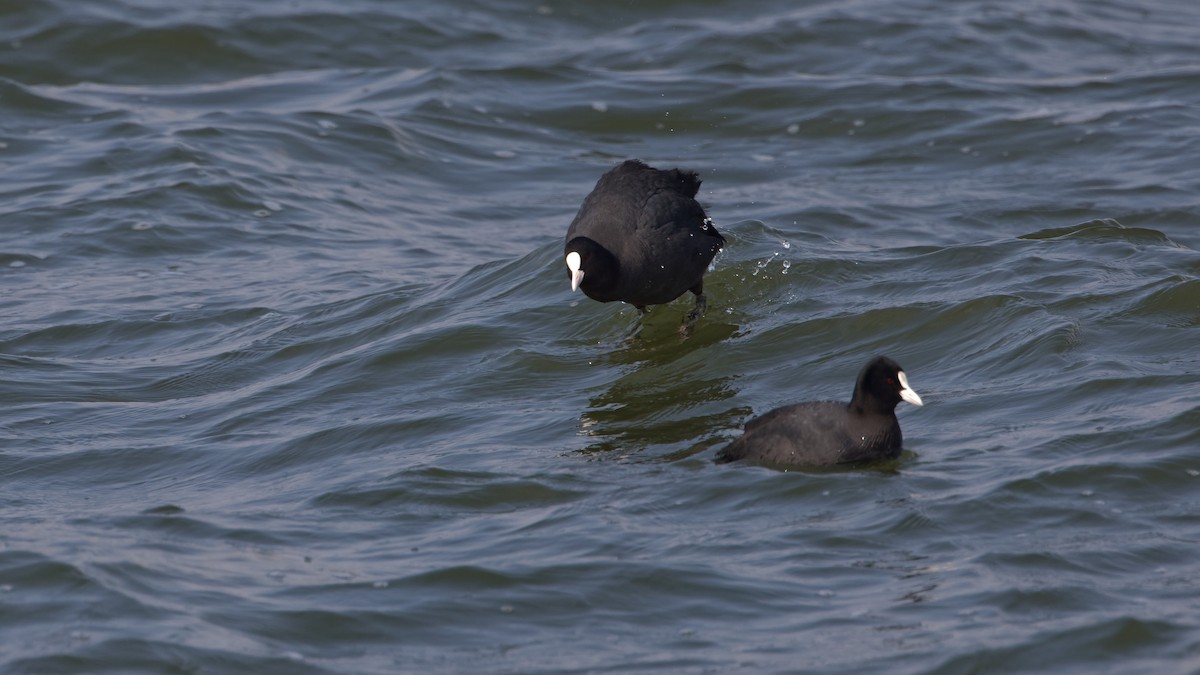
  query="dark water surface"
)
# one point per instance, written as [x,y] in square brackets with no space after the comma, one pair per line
[292,380]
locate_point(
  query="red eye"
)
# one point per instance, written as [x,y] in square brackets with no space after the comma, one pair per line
[891,381]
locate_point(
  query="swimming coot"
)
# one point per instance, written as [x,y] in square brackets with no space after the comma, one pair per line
[642,238]
[823,433]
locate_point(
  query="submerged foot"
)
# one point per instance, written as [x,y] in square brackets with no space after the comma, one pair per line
[689,321]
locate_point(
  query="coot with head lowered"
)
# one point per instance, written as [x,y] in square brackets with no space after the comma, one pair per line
[642,238]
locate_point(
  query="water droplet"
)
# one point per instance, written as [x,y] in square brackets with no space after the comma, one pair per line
[505,154]
[380,584]
[793,128]
[327,124]
[599,106]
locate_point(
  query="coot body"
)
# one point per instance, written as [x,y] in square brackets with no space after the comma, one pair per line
[641,237]
[825,433]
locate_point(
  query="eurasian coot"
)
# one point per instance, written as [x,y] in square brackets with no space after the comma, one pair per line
[823,433]
[642,238]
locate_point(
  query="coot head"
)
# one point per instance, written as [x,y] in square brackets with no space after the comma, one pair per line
[881,385]
[591,267]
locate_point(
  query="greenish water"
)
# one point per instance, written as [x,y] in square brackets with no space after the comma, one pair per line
[292,380]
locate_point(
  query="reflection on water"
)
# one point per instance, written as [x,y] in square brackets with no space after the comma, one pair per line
[663,398]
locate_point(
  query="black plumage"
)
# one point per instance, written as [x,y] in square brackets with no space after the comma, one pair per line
[641,237]
[823,433]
